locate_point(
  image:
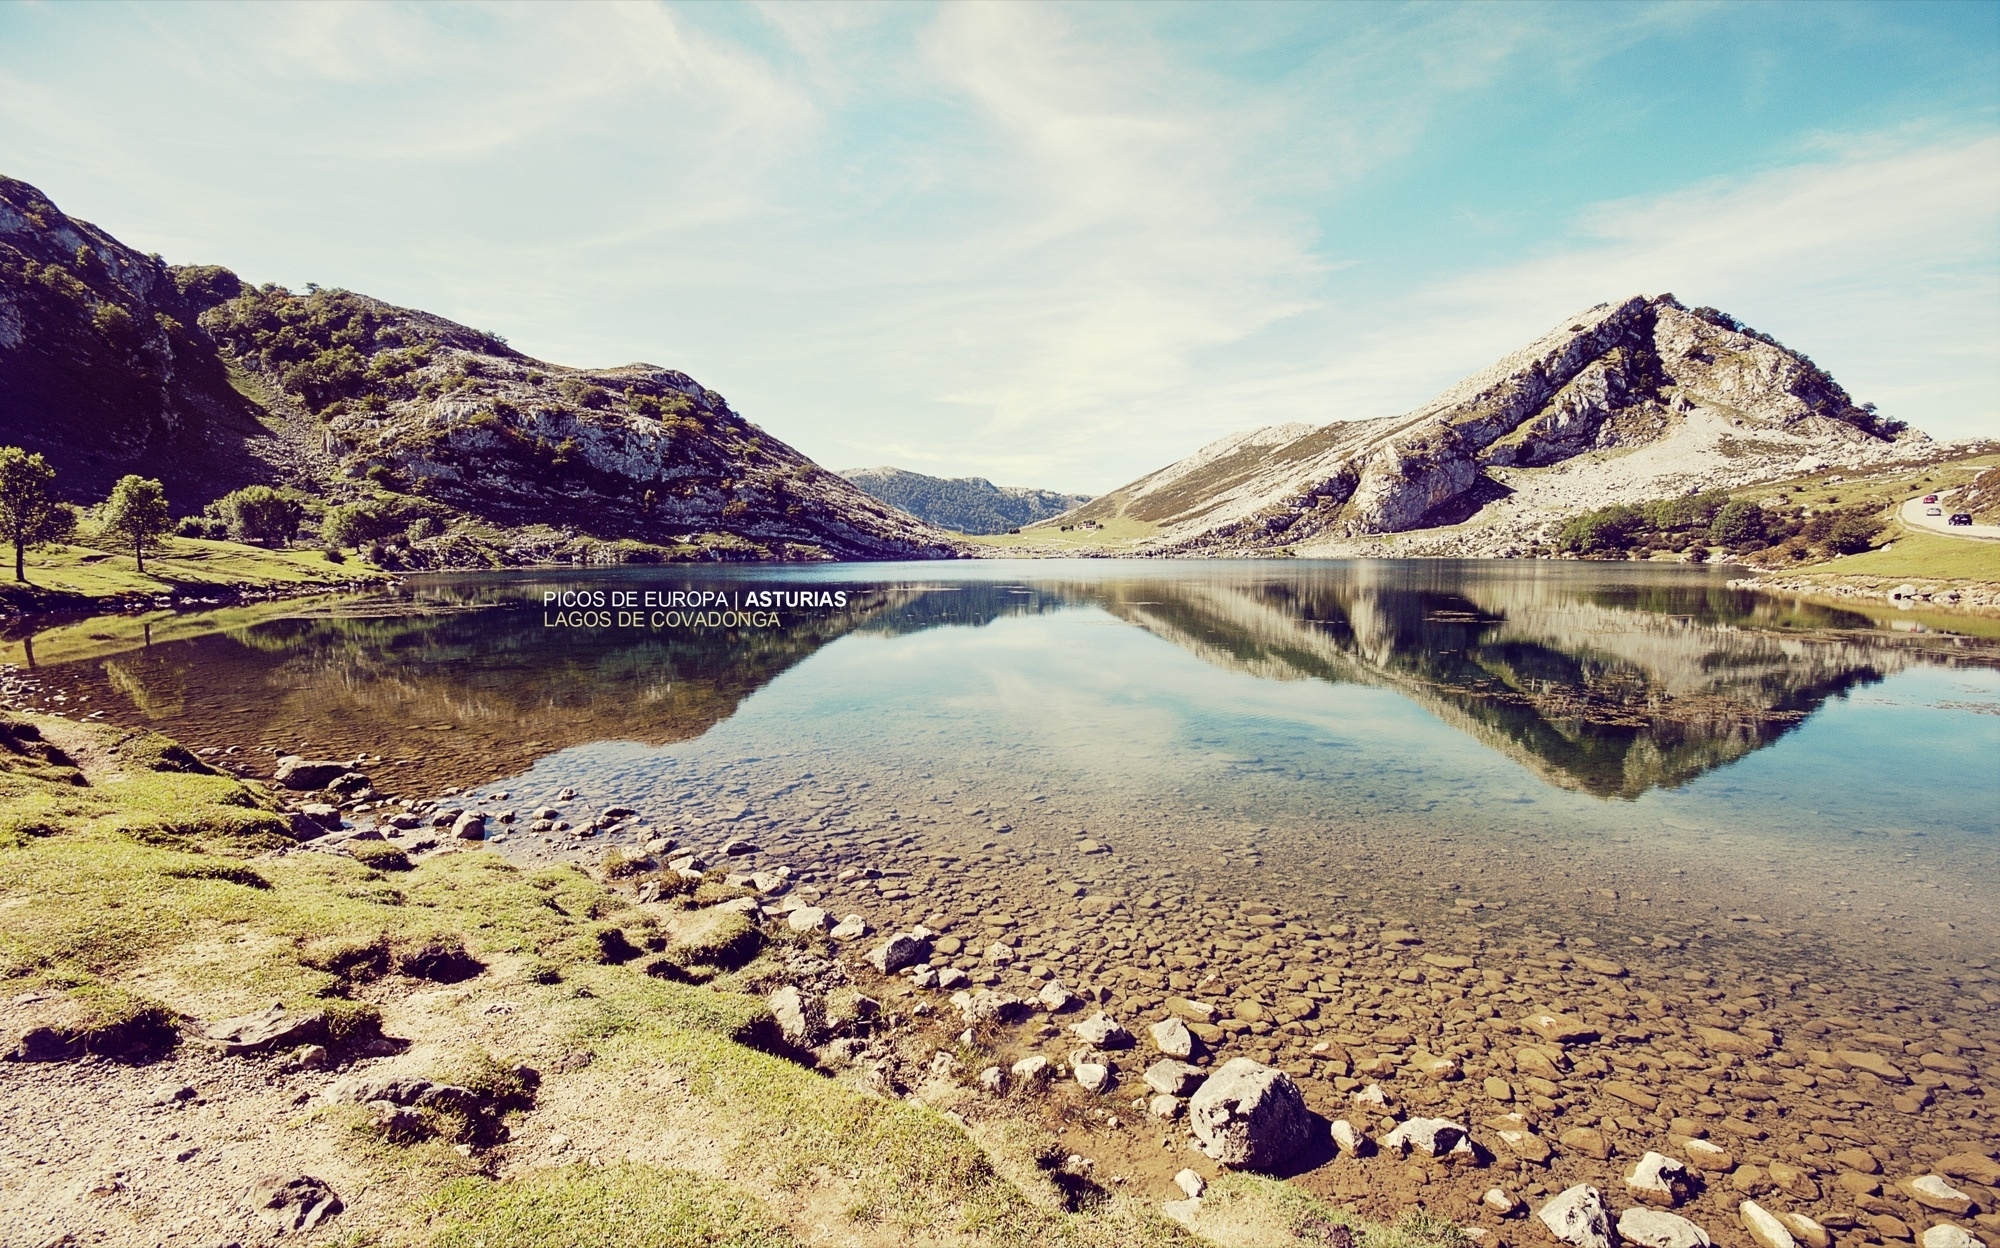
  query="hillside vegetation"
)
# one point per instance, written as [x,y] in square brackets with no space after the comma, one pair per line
[423,442]
[971,505]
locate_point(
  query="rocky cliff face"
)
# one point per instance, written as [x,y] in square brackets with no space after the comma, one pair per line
[1643,398]
[435,439]
[962,504]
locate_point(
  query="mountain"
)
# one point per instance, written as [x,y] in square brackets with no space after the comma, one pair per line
[964,504]
[435,444]
[1625,402]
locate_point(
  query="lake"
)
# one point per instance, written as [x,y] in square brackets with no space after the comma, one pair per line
[1158,779]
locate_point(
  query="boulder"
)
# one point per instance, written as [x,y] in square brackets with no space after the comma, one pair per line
[303,774]
[470,826]
[1249,1116]
[901,950]
[1030,1071]
[1427,1137]
[1091,1076]
[853,927]
[1172,1038]
[1101,1031]
[809,919]
[1576,1216]
[986,1006]
[800,1015]
[1659,1179]
[1054,997]
[1171,1078]
[292,1202]
[275,1028]
[1655,1228]
[1945,1235]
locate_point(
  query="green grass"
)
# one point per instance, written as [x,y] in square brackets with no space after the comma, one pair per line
[1917,555]
[182,565]
[615,1207]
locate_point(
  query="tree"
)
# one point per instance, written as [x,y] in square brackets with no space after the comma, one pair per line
[137,512]
[258,513]
[30,513]
[1738,526]
[1601,532]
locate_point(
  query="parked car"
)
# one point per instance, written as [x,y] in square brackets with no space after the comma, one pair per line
[1960,517]
[1933,511]
[1930,498]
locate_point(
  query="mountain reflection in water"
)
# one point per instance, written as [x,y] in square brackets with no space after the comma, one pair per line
[1605,680]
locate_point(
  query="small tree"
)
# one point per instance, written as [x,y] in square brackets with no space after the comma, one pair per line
[1739,526]
[137,512]
[258,513]
[30,513]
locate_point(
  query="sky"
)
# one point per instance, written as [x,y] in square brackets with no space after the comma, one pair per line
[1058,245]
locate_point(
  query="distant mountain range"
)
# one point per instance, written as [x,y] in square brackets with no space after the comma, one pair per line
[436,444]
[1625,402]
[964,504]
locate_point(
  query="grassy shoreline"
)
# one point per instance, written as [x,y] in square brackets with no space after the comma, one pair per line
[143,896]
[82,578]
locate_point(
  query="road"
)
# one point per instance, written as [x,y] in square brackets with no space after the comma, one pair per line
[1913,515]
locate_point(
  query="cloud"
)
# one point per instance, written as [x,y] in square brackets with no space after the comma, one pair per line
[1877,259]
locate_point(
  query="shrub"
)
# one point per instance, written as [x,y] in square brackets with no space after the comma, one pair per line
[1739,526]
[258,513]
[1601,532]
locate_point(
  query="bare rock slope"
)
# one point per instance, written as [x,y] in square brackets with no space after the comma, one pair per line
[1626,402]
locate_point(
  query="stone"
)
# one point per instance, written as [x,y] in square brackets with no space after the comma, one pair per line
[1764,1227]
[1500,1201]
[1707,1157]
[950,977]
[992,1078]
[293,1202]
[1655,1228]
[901,950]
[1658,1179]
[1806,1231]
[1945,1235]
[1932,1192]
[1793,1181]
[1165,1108]
[1586,1141]
[1030,1071]
[1874,1063]
[1426,1137]
[1191,1184]
[302,774]
[809,919]
[1054,997]
[1432,1066]
[853,927]
[1347,1137]
[1576,1217]
[1101,1031]
[1631,1094]
[1559,1028]
[1172,1038]
[1497,1088]
[1721,1040]
[1192,1011]
[172,1093]
[1249,1116]
[275,1028]
[1091,1076]
[1521,1139]
[1173,1078]
[1182,1211]
[987,1006]
[1976,1167]
[800,1015]
[738,846]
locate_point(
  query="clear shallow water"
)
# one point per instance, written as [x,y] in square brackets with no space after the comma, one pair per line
[1504,725]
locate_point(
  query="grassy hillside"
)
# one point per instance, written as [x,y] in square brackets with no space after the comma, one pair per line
[144,893]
